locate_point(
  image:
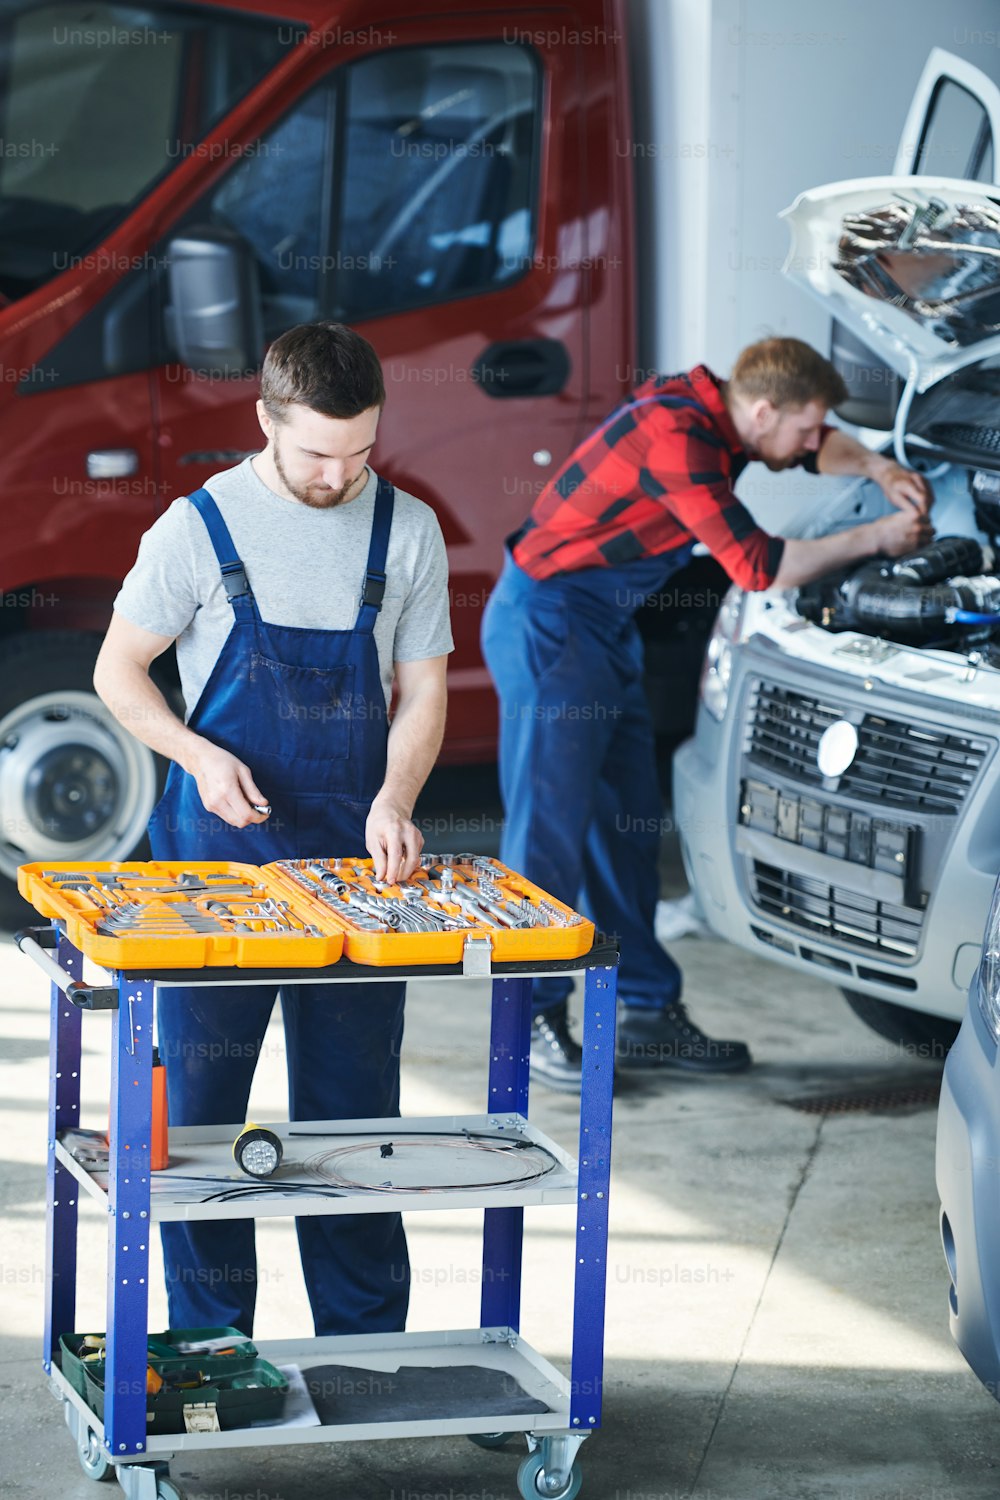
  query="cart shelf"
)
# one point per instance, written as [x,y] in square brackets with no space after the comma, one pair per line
[491,1349]
[205,1151]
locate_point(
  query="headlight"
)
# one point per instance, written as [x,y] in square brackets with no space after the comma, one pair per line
[989,970]
[718,668]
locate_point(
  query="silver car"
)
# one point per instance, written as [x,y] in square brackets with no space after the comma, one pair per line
[968,1168]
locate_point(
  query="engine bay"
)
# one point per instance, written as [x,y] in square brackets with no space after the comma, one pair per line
[947,595]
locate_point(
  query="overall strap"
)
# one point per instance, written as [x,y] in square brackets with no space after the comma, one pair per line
[234,576]
[373,589]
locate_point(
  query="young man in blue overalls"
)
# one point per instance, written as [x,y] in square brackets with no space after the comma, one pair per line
[577,753]
[298,586]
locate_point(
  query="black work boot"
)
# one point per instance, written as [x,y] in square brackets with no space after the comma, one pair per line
[556,1060]
[670,1039]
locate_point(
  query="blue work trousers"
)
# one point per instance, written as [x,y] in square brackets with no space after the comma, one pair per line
[582,806]
[343,1043]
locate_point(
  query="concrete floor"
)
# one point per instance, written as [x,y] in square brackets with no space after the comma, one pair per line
[777,1296]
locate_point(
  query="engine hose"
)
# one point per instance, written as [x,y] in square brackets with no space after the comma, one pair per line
[914,600]
[902,415]
[897,609]
[917,612]
[940,560]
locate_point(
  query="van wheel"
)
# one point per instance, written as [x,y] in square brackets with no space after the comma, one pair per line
[927,1038]
[74,784]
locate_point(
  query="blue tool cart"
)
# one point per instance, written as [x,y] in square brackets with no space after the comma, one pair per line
[556,1415]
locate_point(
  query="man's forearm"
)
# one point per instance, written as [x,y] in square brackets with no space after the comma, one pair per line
[127,689]
[415,738]
[802,561]
[843,454]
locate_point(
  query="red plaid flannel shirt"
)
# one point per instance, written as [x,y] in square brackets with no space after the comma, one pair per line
[646,482]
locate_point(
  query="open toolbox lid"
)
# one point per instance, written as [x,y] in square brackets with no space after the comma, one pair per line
[301,913]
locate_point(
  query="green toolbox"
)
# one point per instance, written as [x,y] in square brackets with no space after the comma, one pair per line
[196,1378]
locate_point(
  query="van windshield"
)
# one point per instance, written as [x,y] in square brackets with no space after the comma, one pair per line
[98,101]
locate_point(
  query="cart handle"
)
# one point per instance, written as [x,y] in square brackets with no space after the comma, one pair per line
[37,943]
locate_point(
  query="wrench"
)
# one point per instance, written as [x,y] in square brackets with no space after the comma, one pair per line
[417,896]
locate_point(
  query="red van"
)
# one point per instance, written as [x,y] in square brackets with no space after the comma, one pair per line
[179,184]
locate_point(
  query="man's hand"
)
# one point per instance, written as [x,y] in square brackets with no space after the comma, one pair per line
[393,841]
[392,838]
[226,786]
[904,488]
[905,531]
[893,535]
[842,454]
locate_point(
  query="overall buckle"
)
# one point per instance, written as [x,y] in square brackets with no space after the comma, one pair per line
[374,590]
[235,580]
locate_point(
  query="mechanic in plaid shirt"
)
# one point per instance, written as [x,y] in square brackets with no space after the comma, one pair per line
[577,756]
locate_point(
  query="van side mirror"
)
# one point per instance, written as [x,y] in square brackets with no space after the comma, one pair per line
[214,318]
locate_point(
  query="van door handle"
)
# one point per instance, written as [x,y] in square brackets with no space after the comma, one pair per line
[522,367]
[112,463]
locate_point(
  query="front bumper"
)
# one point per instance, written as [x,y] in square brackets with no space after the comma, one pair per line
[968,1183]
[911,938]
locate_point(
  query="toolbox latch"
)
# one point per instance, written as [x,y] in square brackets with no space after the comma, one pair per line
[477,956]
[201,1416]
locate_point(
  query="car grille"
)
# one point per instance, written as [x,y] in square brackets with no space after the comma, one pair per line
[898,763]
[829,911]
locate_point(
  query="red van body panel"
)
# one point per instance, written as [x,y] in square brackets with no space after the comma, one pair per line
[70,538]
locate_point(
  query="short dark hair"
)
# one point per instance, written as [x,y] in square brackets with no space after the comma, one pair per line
[786,372]
[325,366]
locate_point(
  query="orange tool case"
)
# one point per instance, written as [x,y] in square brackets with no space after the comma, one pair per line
[301,913]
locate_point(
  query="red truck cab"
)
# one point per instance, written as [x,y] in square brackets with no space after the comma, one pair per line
[181,183]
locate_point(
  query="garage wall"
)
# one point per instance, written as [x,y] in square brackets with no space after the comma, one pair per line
[741,105]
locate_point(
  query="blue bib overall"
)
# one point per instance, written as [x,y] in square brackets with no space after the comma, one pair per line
[305,710]
[583,815]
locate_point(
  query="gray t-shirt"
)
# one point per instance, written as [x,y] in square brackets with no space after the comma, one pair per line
[306,567]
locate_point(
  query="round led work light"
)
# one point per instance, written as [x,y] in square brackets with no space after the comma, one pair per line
[257,1151]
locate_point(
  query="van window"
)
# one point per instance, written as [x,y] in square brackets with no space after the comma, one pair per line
[956,140]
[276,197]
[97,102]
[435,184]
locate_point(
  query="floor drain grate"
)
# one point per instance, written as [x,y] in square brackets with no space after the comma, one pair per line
[869,1101]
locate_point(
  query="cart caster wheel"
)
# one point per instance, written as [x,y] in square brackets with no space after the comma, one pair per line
[489,1439]
[92,1459]
[531,1481]
[167,1490]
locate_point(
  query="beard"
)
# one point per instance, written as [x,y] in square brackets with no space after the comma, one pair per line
[317,496]
[778,465]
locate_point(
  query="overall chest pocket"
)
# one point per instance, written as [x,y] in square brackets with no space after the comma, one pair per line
[300,713]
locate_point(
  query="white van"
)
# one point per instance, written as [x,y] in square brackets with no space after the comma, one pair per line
[839,804]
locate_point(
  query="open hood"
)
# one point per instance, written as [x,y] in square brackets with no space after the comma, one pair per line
[910,264]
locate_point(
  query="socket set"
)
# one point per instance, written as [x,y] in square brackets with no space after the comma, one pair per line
[301,913]
[428,918]
[171,914]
